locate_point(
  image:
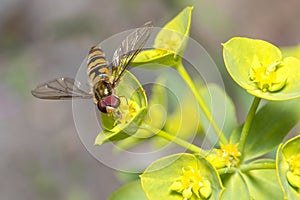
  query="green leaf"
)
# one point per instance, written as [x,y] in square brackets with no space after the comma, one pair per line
[173,37]
[156,115]
[183,119]
[126,177]
[154,59]
[262,184]
[161,174]
[236,134]
[222,109]
[170,42]
[238,54]
[132,191]
[130,92]
[235,187]
[122,131]
[171,109]
[270,125]
[285,153]
[258,67]
[255,184]
[158,104]
[292,88]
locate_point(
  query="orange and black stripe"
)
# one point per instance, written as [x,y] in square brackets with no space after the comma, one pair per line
[97,64]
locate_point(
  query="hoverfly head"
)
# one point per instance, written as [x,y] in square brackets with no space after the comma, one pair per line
[107,104]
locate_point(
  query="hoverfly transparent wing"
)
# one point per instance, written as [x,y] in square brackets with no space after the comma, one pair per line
[129,48]
[60,88]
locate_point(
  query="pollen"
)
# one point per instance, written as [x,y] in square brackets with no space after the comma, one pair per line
[129,109]
[266,76]
[132,108]
[294,163]
[191,184]
[229,153]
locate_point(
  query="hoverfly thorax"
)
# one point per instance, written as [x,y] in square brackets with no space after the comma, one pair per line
[102,89]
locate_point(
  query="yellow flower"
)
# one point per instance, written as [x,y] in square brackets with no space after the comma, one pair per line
[267,77]
[217,161]
[128,110]
[294,163]
[293,175]
[230,153]
[259,68]
[191,182]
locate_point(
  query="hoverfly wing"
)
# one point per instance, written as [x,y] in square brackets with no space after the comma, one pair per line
[60,88]
[129,48]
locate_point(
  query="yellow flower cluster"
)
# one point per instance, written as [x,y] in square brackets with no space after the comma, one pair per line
[293,175]
[191,182]
[227,156]
[128,110]
[266,76]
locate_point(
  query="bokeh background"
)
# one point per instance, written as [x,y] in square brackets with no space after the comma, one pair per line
[41,156]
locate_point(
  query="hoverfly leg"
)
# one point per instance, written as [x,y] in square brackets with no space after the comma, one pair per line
[141,90]
[121,113]
[115,112]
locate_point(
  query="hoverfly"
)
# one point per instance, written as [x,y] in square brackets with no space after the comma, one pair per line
[103,78]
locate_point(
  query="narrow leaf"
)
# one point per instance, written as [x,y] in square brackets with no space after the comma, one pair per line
[222,109]
[270,125]
[132,191]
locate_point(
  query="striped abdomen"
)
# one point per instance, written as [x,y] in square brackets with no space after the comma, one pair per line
[97,68]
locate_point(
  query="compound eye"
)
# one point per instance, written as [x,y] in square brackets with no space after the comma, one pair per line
[112,101]
[102,106]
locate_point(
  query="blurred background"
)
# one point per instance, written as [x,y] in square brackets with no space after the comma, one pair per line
[41,156]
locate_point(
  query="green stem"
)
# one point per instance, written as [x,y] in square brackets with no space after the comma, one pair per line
[257,166]
[249,167]
[230,170]
[172,138]
[247,125]
[181,70]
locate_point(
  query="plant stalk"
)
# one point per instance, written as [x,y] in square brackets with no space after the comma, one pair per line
[181,70]
[173,138]
[247,125]
[258,166]
[230,170]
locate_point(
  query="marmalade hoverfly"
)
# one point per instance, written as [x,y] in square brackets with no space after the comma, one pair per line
[103,78]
